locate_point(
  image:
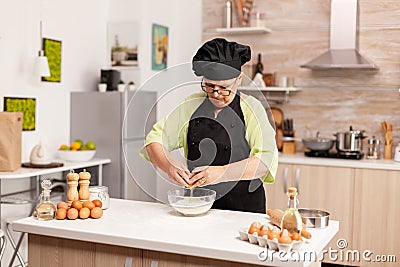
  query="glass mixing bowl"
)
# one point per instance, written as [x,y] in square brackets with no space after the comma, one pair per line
[191,202]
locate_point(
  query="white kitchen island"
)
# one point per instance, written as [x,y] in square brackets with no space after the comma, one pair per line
[133,233]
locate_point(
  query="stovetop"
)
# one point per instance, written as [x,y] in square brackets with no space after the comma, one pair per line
[336,155]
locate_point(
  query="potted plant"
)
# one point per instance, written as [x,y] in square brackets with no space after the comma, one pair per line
[121,86]
[102,86]
[131,86]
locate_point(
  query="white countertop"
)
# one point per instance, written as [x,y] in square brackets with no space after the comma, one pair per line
[31,172]
[300,158]
[155,226]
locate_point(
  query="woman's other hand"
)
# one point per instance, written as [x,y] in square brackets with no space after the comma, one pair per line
[206,175]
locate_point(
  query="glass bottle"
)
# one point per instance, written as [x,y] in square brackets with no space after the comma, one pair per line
[291,219]
[259,66]
[45,210]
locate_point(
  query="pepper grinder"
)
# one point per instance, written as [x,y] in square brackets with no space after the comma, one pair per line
[84,181]
[72,194]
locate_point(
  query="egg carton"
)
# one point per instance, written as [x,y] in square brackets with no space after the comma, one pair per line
[263,241]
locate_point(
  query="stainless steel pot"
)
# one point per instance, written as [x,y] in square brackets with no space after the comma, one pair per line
[351,141]
[315,218]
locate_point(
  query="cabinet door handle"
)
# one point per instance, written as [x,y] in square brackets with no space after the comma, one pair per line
[128,262]
[297,176]
[154,264]
[285,178]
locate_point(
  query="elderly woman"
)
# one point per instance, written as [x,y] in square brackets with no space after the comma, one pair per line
[228,141]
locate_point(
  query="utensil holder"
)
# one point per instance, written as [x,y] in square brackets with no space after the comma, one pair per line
[289,147]
[388,152]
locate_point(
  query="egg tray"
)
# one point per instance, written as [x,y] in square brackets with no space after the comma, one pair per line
[265,242]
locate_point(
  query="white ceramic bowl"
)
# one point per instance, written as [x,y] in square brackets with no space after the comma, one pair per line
[198,203]
[76,156]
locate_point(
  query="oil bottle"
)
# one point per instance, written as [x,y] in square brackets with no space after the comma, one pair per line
[45,210]
[291,219]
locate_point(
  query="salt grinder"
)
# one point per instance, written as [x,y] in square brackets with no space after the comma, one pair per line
[84,181]
[72,194]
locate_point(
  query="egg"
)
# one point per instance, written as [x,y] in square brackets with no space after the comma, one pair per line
[271,235]
[72,214]
[96,212]
[97,203]
[84,213]
[62,205]
[76,204]
[61,213]
[264,230]
[254,227]
[296,236]
[285,238]
[88,204]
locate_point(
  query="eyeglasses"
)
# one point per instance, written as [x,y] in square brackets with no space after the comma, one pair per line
[209,88]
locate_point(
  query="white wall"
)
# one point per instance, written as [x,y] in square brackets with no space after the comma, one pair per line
[82,28]
[82,32]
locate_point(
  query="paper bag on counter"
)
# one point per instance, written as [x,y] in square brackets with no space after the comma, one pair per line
[10,140]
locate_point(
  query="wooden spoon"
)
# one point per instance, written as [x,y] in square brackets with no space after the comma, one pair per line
[384,127]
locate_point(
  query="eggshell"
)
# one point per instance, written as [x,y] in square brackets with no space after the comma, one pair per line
[72,214]
[88,204]
[61,214]
[97,203]
[76,204]
[96,213]
[84,213]
[63,205]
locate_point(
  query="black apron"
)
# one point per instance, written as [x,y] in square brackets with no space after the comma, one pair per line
[219,141]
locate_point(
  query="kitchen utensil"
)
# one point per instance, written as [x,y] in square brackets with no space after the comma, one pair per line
[40,155]
[318,143]
[350,141]
[315,218]
[194,203]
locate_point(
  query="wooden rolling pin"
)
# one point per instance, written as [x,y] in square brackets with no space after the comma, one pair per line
[275,217]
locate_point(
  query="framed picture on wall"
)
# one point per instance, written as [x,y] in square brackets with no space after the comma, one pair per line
[25,105]
[52,50]
[159,51]
[123,39]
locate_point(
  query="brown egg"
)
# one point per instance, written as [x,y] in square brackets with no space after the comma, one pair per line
[284,240]
[84,213]
[62,205]
[271,235]
[72,214]
[254,227]
[76,204]
[88,204]
[97,203]
[61,213]
[96,212]
[296,236]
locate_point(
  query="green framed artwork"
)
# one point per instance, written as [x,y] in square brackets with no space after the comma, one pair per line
[159,49]
[52,50]
[25,105]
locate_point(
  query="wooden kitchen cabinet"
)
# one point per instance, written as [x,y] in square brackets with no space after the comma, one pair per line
[377,213]
[59,252]
[320,187]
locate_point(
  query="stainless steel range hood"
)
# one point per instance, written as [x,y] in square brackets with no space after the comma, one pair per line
[343,52]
